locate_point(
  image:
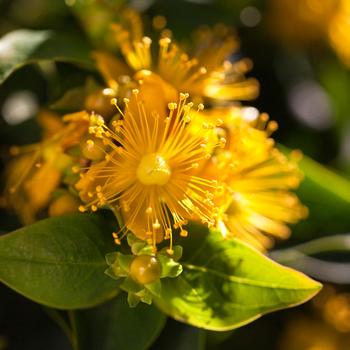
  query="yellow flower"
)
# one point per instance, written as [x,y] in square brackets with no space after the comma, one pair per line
[300,22]
[148,171]
[308,22]
[256,203]
[205,73]
[29,184]
[37,169]
[339,32]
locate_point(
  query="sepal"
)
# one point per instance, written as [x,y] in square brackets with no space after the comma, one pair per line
[119,267]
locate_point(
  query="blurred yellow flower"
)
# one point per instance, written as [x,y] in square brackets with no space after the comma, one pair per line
[37,169]
[256,203]
[148,171]
[339,32]
[300,22]
[205,73]
[309,22]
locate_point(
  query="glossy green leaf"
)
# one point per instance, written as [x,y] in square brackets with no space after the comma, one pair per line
[114,325]
[60,262]
[17,47]
[26,46]
[72,100]
[226,284]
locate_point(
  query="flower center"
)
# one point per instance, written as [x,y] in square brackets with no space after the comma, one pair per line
[153,170]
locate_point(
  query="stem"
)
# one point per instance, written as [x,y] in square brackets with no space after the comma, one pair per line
[61,321]
[337,243]
[299,257]
[74,337]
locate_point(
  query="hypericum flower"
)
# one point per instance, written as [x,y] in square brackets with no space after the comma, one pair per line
[256,203]
[36,171]
[339,32]
[300,22]
[30,180]
[148,170]
[207,72]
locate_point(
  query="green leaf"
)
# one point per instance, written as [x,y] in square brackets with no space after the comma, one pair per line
[71,101]
[226,284]
[327,195]
[17,47]
[60,262]
[25,46]
[114,325]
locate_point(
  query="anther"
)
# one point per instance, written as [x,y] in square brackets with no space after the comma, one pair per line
[156,225]
[170,251]
[183,233]
[219,122]
[172,106]
[187,119]
[222,142]
[147,41]
[164,41]
[108,92]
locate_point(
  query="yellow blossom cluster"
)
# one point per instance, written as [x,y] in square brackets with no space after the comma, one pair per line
[176,147]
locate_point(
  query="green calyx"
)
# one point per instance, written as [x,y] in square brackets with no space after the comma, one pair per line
[143,270]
